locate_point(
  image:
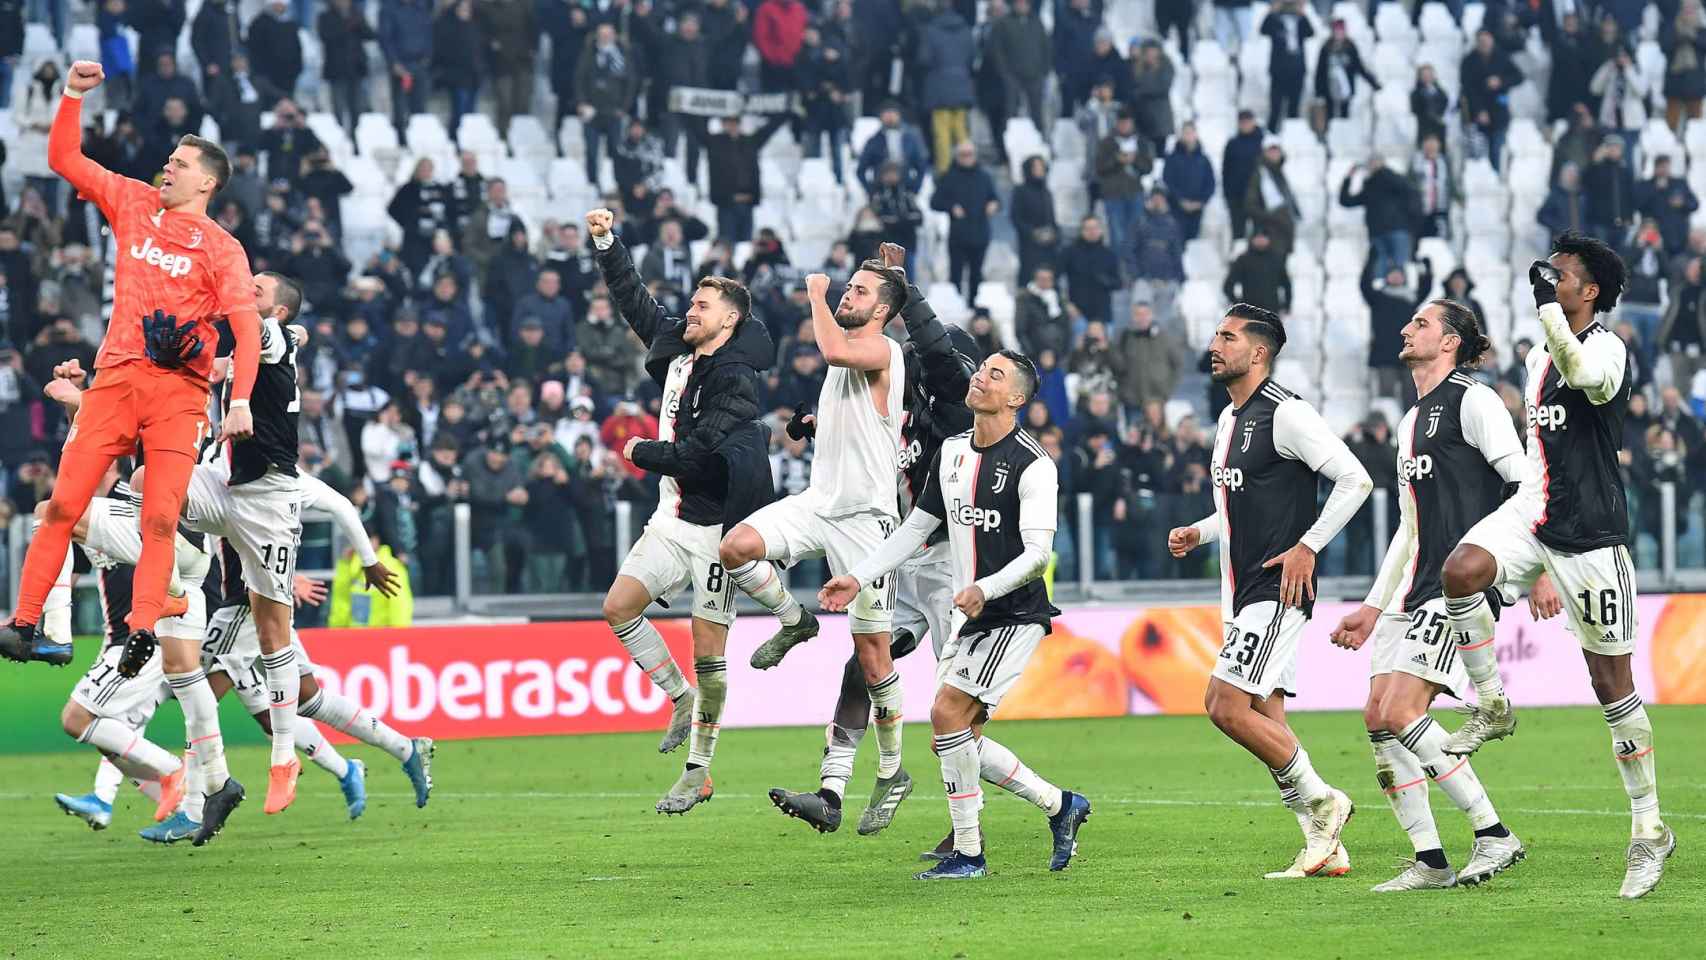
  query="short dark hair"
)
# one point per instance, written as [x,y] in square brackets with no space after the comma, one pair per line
[733,292]
[1462,321]
[1603,264]
[1027,371]
[1261,323]
[891,292]
[214,160]
[288,295]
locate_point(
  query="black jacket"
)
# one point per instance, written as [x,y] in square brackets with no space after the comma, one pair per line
[938,374]
[720,398]
[1389,313]
[1385,197]
[734,160]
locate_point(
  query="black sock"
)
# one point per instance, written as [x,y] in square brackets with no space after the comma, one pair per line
[1434,858]
[1496,830]
[830,797]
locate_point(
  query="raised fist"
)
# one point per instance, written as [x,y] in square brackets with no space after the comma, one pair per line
[817,285]
[598,222]
[85,75]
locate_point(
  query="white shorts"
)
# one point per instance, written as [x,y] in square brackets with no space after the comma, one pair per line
[673,555]
[261,519]
[1260,652]
[924,596]
[113,532]
[1603,579]
[233,647]
[795,529]
[130,701]
[1419,643]
[986,663]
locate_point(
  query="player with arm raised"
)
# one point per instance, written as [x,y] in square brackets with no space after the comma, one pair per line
[1570,518]
[176,272]
[938,374]
[848,509]
[1456,451]
[1269,449]
[997,491]
[707,364]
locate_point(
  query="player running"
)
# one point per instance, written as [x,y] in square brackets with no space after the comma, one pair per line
[707,364]
[998,492]
[1269,447]
[848,509]
[1570,519]
[177,272]
[938,374]
[1457,449]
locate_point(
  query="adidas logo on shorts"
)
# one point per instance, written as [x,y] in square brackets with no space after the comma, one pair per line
[1420,658]
[1236,671]
[963,674]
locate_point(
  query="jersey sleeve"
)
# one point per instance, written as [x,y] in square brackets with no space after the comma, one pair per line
[1595,366]
[1398,554]
[275,343]
[1487,425]
[1301,434]
[108,190]
[1039,496]
[930,501]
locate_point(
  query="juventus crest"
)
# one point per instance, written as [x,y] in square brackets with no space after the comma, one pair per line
[1249,431]
[1433,420]
[1000,478]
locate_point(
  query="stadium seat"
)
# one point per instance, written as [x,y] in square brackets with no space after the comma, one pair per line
[1436,25]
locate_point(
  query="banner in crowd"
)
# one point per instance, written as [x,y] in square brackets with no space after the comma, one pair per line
[569,678]
[706,102]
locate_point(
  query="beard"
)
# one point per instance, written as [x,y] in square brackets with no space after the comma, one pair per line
[1228,372]
[848,318]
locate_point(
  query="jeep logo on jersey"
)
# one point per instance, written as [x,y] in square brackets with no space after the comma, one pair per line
[1548,417]
[1231,478]
[967,515]
[672,405]
[1415,468]
[1433,421]
[174,265]
[1000,478]
[909,454]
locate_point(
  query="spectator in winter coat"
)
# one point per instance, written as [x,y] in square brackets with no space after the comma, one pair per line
[607,79]
[1258,276]
[1619,88]
[1271,204]
[826,79]
[1074,49]
[158,24]
[513,272]
[1387,201]
[1566,207]
[967,194]
[1336,72]
[1033,219]
[1459,287]
[511,34]
[894,142]
[1610,188]
[897,207]
[1123,158]
[406,37]
[236,97]
[1567,88]
[1147,360]
[1434,189]
[1684,44]
[457,61]
[278,38]
[1156,258]
[1092,272]
[1042,317]
[945,53]
[568,26]
[489,228]
[1019,45]
[686,63]
[1238,164]
[778,30]
[1669,201]
[736,186]
[1288,30]
[421,207]
[165,83]
[1429,102]
[1484,92]
[1390,309]
[1190,180]
[1151,91]
[215,35]
[344,33]
[548,305]
[288,141]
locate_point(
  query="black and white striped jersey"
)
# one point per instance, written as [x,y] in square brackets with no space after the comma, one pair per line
[1576,492]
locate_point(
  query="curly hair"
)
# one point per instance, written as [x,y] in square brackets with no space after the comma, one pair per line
[1604,266]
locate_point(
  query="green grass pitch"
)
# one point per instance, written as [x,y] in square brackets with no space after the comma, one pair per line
[550,848]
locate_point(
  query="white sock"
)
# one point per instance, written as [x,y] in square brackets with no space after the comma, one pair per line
[760,580]
[148,788]
[313,745]
[1426,739]
[1298,774]
[958,755]
[840,746]
[885,716]
[194,799]
[284,686]
[201,724]
[1472,625]
[713,676]
[56,606]
[1003,768]
[131,752]
[646,646]
[346,716]
[1401,778]
[1632,745]
[107,780]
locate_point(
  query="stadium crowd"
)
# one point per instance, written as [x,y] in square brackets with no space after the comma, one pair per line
[1069,180]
